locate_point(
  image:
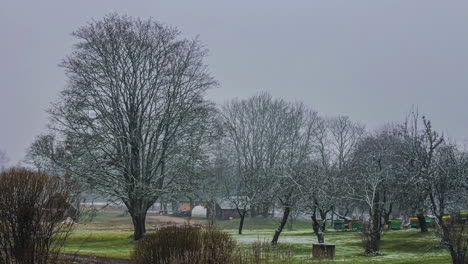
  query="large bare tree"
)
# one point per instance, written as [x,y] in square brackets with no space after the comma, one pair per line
[134,98]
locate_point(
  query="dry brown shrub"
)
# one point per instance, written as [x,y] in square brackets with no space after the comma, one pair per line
[185,244]
[33,207]
[456,236]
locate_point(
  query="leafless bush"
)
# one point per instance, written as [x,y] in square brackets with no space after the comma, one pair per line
[265,253]
[456,237]
[34,208]
[200,245]
[185,244]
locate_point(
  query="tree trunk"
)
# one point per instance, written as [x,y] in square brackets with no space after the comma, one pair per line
[377,222]
[374,239]
[422,223]
[445,239]
[139,225]
[291,222]
[318,231]
[323,215]
[241,224]
[376,227]
[281,226]
[372,231]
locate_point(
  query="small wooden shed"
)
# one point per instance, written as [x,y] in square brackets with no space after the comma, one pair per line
[222,209]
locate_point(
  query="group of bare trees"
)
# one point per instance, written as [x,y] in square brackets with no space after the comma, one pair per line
[412,168]
[285,155]
[438,168]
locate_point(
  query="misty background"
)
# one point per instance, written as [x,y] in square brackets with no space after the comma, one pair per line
[371,60]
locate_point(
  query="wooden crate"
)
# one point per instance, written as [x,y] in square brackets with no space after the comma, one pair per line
[323,250]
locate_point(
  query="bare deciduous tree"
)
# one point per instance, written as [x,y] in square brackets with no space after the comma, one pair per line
[135,96]
[419,148]
[256,129]
[334,142]
[447,193]
[296,158]
[344,135]
[375,170]
[233,184]
[456,235]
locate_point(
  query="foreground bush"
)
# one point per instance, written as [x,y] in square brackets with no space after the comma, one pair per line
[185,244]
[33,207]
[456,237]
[199,245]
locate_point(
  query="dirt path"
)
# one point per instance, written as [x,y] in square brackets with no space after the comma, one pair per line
[162,219]
[79,259]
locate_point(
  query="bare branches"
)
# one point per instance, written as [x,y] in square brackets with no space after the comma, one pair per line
[344,136]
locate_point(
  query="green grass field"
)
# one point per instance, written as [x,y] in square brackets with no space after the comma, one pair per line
[110,235]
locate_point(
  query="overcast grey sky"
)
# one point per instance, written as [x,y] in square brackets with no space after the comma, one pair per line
[371,60]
